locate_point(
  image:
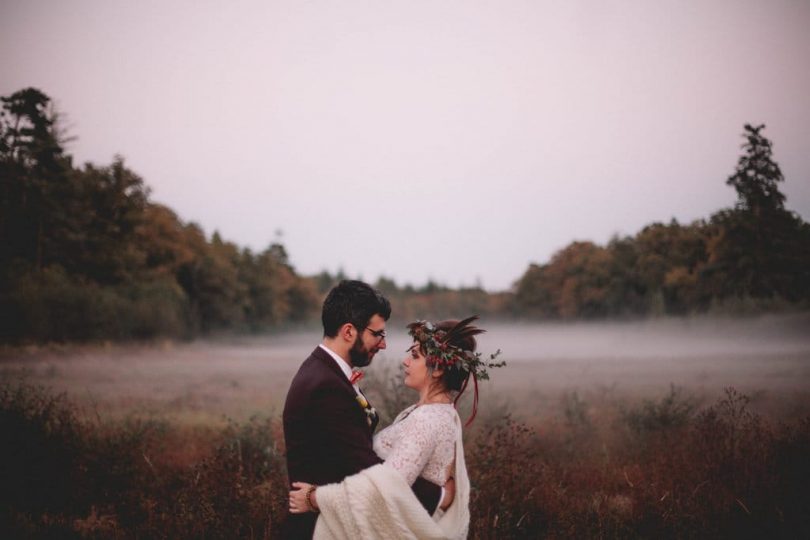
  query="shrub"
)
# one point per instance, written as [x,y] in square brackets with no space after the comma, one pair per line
[675,410]
[40,452]
[51,305]
[506,477]
[718,472]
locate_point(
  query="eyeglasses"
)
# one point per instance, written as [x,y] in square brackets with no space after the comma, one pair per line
[379,334]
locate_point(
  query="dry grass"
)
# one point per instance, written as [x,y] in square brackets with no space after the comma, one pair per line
[165,442]
[603,468]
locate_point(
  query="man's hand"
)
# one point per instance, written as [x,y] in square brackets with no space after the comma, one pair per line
[302,498]
[449,494]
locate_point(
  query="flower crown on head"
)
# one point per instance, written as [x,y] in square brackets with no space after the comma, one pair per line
[440,351]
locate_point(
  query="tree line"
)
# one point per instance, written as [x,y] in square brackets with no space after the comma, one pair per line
[86,255]
[752,257]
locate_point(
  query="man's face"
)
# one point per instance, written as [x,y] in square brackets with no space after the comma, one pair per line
[369,340]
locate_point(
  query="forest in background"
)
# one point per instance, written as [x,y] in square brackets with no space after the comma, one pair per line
[86,255]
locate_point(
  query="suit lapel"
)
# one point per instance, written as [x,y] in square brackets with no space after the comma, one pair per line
[327,361]
[330,363]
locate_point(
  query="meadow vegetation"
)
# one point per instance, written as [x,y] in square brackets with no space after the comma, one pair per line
[600,466]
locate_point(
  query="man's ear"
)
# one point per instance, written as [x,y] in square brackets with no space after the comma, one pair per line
[347,332]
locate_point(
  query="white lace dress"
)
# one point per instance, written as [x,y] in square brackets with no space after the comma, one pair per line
[420,442]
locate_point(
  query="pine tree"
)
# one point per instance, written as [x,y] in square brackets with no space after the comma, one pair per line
[757,175]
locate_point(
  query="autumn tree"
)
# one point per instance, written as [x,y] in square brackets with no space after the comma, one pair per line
[573,284]
[84,253]
[757,251]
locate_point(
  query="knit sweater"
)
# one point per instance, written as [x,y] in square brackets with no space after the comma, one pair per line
[378,503]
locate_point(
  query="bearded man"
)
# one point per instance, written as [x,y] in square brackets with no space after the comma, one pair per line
[328,423]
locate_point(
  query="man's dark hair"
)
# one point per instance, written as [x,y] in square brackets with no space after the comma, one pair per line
[354,302]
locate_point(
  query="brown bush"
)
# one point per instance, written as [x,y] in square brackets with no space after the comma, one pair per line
[601,468]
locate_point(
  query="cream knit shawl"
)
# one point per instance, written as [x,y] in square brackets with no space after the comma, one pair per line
[377,503]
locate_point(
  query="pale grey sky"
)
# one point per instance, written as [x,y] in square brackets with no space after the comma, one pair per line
[457,141]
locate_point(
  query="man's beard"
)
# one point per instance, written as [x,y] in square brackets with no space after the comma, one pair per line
[359,355]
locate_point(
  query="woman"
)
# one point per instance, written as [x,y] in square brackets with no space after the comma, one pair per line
[424,440]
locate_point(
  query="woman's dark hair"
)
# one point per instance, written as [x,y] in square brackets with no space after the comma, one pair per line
[459,334]
[355,302]
[454,379]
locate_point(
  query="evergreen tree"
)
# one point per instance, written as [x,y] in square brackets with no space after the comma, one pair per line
[33,177]
[757,175]
[760,249]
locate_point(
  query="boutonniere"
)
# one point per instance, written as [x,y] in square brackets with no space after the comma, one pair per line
[371,413]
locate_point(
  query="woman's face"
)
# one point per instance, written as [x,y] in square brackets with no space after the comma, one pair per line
[417,375]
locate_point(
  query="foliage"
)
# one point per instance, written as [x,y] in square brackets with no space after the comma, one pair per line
[505,474]
[64,476]
[720,471]
[757,174]
[674,410]
[757,251]
[85,255]
[41,449]
[762,256]
[432,301]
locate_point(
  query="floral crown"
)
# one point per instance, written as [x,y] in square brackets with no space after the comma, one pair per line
[440,351]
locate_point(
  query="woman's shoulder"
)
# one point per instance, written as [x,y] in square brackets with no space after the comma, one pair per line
[436,413]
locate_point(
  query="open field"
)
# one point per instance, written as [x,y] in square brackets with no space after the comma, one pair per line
[767,358]
[619,430]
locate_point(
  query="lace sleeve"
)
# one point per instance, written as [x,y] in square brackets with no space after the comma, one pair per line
[416,444]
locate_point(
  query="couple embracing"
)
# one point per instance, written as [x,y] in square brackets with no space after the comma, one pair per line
[407,481]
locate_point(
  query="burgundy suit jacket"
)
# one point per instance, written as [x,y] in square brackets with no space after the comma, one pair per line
[328,437]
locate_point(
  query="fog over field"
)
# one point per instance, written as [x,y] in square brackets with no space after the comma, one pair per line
[766,357]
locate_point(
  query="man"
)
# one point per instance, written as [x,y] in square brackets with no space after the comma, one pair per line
[328,424]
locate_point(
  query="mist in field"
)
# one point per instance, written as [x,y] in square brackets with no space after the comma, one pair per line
[694,427]
[700,337]
[203,381]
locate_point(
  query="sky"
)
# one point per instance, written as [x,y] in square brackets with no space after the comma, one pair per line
[456,141]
